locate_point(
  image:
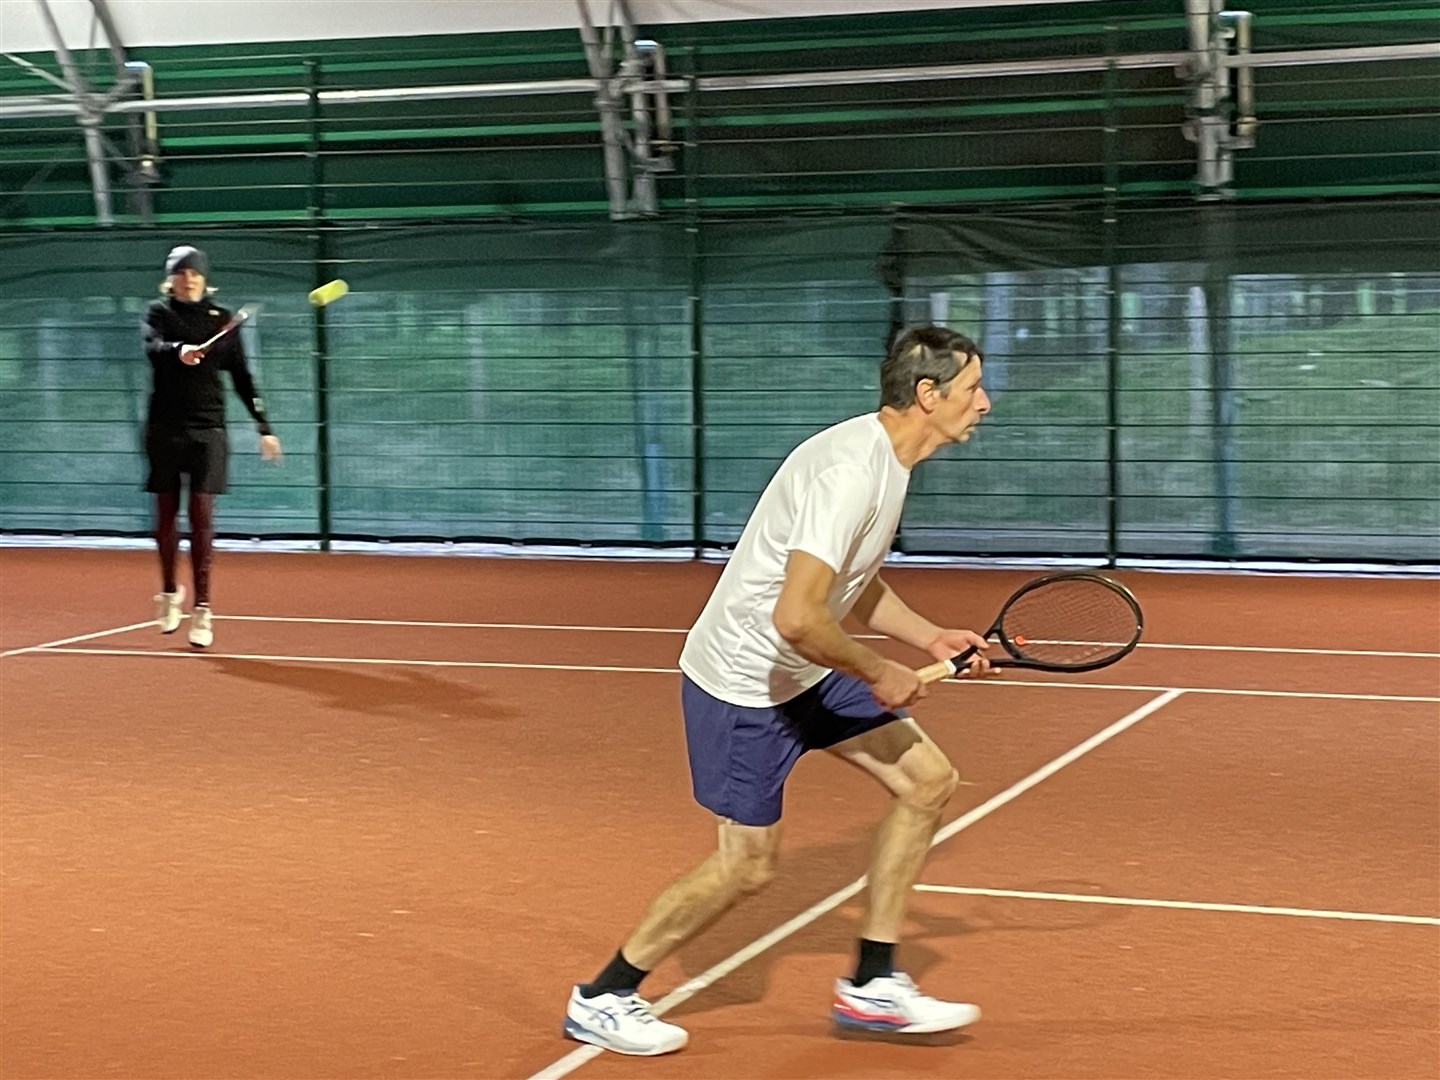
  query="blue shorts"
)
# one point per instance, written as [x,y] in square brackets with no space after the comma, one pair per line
[740,756]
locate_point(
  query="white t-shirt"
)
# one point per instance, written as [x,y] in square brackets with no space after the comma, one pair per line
[837,497]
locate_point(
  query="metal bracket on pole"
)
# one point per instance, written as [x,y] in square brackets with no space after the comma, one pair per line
[1213,124]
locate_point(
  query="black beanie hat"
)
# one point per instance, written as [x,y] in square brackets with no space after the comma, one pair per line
[187,258]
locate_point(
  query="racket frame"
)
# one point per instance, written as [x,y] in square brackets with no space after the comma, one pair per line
[945,668]
[239,319]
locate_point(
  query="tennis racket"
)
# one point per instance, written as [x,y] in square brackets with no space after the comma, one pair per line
[1075,621]
[231,324]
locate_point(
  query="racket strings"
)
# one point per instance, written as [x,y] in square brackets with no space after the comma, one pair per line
[1070,622]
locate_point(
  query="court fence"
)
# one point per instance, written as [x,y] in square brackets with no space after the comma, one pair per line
[1209,380]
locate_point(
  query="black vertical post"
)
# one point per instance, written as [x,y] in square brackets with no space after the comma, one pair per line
[322,265]
[697,305]
[1217,229]
[1110,225]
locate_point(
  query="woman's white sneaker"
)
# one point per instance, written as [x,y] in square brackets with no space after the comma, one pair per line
[202,632]
[895,1004]
[167,609]
[623,1023]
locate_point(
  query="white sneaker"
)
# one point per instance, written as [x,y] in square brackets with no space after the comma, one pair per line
[167,609]
[201,632]
[894,1003]
[623,1023]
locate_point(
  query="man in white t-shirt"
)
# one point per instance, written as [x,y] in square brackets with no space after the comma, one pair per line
[770,674]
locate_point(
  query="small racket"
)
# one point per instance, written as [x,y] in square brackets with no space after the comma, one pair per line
[233,323]
[1075,621]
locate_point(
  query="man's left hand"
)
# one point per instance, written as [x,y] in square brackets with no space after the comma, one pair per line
[951,643]
[269,448]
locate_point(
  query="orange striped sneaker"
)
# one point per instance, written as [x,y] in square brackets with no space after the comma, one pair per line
[893,1003]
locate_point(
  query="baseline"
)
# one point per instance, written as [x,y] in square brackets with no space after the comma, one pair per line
[1003,683]
[1182,905]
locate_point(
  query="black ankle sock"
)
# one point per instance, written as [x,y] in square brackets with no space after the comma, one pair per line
[619,974]
[877,958]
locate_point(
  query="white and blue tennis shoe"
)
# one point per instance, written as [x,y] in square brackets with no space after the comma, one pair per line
[624,1023]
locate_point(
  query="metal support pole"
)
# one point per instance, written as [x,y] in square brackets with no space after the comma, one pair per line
[634,70]
[664,126]
[1222,84]
[150,156]
[1208,123]
[90,121]
[610,131]
[39,73]
[140,132]
[1245,123]
[62,105]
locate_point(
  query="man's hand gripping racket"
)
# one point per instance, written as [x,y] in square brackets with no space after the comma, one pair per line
[1077,621]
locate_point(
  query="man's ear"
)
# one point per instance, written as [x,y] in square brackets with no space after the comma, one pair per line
[925,391]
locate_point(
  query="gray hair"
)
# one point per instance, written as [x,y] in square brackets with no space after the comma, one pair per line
[926,352]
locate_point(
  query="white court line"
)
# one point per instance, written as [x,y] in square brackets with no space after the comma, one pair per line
[573,1060]
[201,654]
[866,637]
[456,625]
[502,665]
[78,637]
[1223,690]
[1183,905]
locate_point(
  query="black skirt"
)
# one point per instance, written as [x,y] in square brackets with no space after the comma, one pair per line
[202,453]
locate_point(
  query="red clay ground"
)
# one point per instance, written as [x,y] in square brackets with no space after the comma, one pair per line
[222,867]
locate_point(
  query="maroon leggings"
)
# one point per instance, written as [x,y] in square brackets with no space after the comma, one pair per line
[202,538]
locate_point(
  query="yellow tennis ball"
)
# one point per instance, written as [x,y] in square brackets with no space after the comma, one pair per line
[329,292]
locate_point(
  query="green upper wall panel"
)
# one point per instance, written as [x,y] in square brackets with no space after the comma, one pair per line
[1350,129]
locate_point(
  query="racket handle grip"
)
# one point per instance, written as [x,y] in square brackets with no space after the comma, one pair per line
[943,669]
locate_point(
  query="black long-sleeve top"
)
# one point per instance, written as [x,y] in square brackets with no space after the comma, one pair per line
[190,396]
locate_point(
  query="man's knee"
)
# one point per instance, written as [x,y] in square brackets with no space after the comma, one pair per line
[753,873]
[931,786]
[749,856]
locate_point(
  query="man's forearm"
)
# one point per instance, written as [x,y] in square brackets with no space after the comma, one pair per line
[890,616]
[823,642]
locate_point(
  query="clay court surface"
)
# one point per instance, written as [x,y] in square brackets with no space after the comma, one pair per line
[353,842]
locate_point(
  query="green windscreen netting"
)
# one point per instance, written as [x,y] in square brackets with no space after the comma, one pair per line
[1209,381]
[74,382]
[514,384]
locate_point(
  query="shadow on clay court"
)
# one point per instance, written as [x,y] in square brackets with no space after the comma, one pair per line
[395,694]
[808,875]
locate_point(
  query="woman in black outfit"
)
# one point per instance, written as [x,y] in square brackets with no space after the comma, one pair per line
[185,432]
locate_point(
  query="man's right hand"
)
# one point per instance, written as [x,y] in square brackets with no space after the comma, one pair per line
[897,686]
[191,354]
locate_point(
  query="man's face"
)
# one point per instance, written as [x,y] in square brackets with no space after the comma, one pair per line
[187,285]
[957,412]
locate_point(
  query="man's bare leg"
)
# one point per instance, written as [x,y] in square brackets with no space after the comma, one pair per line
[877,997]
[743,863]
[607,1012]
[921,778]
